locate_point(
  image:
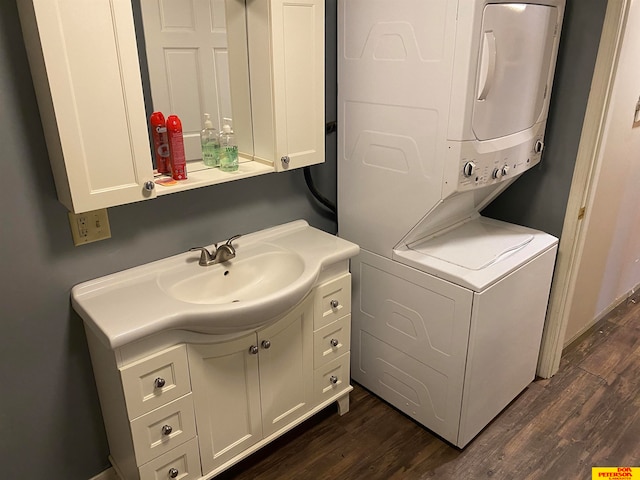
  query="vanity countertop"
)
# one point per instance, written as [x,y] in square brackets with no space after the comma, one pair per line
[132,304]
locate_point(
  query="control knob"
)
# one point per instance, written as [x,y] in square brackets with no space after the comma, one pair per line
[538,146]
[469,169]
[505,170]
[497,173]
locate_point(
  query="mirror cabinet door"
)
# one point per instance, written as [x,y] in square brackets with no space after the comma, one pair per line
[87,80]
[265,71]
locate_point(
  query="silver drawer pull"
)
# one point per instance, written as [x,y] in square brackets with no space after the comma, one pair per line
[253,349]
[334,303]
[173,473]
[334,342]
[167,429]
[159,382]
[266,344]
[333,379]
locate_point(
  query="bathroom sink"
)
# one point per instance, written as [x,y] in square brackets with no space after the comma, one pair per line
[243,279]
[273,271]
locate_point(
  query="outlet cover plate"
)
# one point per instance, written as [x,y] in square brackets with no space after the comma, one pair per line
[90,226]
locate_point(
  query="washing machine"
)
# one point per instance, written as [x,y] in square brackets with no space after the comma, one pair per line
[449,332]
[442,104]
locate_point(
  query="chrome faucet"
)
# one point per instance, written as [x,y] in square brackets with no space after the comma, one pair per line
[221,254]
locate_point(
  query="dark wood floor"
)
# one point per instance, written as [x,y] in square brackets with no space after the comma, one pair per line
[587,415]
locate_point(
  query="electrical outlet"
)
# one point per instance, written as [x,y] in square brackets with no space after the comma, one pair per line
[89,226]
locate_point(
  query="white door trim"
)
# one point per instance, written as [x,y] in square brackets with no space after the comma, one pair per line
[582,190]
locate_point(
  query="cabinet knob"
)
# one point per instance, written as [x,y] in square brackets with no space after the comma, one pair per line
[149,185]
[173,473]
[285,160]
[167,429]
[266,344]
[333,379]
[159,382]
[334,303]
[334,342]
[253,350]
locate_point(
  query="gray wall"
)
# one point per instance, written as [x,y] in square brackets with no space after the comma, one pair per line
[50,423]
[50,420]
[538,199]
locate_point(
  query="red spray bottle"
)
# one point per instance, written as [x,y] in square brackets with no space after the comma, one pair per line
[160,142]
[176,148]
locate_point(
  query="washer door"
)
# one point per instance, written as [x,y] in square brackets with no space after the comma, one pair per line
[515,57]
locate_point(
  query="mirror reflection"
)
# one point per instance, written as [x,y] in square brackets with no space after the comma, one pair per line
[194,61]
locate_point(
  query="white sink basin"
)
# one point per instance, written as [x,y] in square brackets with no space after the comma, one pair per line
[274,269]
[247,278]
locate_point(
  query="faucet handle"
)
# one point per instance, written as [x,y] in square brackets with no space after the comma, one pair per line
[205,256]
[232,239]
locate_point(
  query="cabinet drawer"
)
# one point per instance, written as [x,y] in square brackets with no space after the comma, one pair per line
[332,301]
[331,341]
[155,381]
[332,378]
[159,431]
[182,463]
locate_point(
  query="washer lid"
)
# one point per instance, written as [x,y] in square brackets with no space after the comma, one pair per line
[477,253]
[475,245]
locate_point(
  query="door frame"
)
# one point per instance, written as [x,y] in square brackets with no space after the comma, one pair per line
[583,186]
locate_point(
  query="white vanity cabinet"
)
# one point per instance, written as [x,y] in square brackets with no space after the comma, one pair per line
[268,383]
[192,405]
[86,73]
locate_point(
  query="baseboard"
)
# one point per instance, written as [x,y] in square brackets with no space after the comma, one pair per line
[109,474]
[631,293]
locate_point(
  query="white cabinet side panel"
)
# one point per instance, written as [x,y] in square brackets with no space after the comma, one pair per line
[394,69]
[409,340]
[504,344]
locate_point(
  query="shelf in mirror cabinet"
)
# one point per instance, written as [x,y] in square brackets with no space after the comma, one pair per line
[199,175]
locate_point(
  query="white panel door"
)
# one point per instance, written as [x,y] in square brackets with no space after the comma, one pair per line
[515,53]
[286,368]
[186,45]
[226,395]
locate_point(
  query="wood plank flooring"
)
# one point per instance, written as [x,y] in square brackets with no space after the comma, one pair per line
[587,415]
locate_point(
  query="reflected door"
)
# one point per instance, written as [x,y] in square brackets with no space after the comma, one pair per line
[186,46]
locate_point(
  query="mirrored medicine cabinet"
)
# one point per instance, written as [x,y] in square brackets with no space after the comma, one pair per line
[258,62]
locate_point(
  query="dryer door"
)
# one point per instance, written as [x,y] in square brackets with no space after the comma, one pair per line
[515,57]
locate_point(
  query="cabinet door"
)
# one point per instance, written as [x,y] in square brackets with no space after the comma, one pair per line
[288,102]
[84,62]
[226,393]
[286,368]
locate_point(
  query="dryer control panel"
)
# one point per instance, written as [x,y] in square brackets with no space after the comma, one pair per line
[476,169]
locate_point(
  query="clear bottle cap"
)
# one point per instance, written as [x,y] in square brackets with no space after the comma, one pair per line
[207,121]
[226,128]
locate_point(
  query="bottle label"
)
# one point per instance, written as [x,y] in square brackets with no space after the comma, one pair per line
[229,159]
[178,159]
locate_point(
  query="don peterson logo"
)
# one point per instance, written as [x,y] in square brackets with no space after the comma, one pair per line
[615,473]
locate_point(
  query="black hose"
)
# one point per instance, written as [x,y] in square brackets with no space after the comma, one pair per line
[314,191]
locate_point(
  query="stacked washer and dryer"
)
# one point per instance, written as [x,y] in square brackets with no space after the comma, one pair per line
[443,104]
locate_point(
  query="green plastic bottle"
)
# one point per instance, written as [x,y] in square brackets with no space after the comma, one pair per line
[228,149]
[210,143]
